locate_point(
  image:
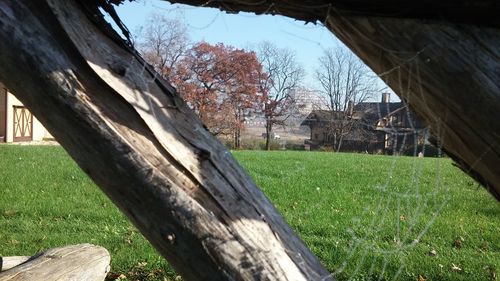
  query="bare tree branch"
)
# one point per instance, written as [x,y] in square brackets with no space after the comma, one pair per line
[344,82]
[282,76]
[162,42]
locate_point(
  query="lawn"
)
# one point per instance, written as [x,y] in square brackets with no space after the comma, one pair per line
[366,217]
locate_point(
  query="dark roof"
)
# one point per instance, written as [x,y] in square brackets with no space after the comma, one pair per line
[322,116]
[369,113]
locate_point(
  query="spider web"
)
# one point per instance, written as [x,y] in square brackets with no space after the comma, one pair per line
[397,212]
[393,204]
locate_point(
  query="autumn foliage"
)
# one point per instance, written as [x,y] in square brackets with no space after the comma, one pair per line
[220,83]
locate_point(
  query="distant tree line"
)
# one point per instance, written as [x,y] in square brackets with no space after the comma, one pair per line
[220,82]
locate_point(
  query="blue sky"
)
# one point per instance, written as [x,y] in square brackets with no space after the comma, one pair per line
[240,30]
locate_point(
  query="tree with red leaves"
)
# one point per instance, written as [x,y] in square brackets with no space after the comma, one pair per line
[220,82]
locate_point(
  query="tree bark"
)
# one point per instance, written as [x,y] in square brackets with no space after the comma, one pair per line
[133,135]
[269,132]
[441,57]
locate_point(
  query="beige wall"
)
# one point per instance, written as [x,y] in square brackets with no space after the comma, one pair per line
[39,132]
[3,96]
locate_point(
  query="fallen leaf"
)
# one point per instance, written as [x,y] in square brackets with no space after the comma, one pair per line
[433,253]
[112,276]
[455,268]
[421,278]
[492,272]
[458,242]
[9,213]
[485,246]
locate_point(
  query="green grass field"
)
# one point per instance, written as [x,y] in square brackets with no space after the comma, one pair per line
[366,217]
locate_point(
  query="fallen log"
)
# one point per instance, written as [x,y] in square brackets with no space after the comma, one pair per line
[82,262]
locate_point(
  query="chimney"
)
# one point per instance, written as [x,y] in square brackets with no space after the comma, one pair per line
[350,108]
[386,97]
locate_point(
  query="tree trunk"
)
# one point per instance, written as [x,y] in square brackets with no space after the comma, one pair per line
[440,57]
[269,131]
[133,135]
[339,142]
[237,138]
[77,262]
[239,122]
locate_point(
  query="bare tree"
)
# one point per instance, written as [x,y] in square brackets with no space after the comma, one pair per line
[163,42]
[282,76]
[344,82]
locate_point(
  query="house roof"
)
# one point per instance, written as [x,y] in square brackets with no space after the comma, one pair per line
[370,113]
[322,116]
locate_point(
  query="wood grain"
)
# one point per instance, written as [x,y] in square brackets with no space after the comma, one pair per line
[10,262]
[70,263]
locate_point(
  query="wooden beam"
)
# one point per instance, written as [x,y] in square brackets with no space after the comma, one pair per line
[477,12]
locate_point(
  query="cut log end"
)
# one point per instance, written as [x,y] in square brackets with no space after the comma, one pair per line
[10,262]
[75,262]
